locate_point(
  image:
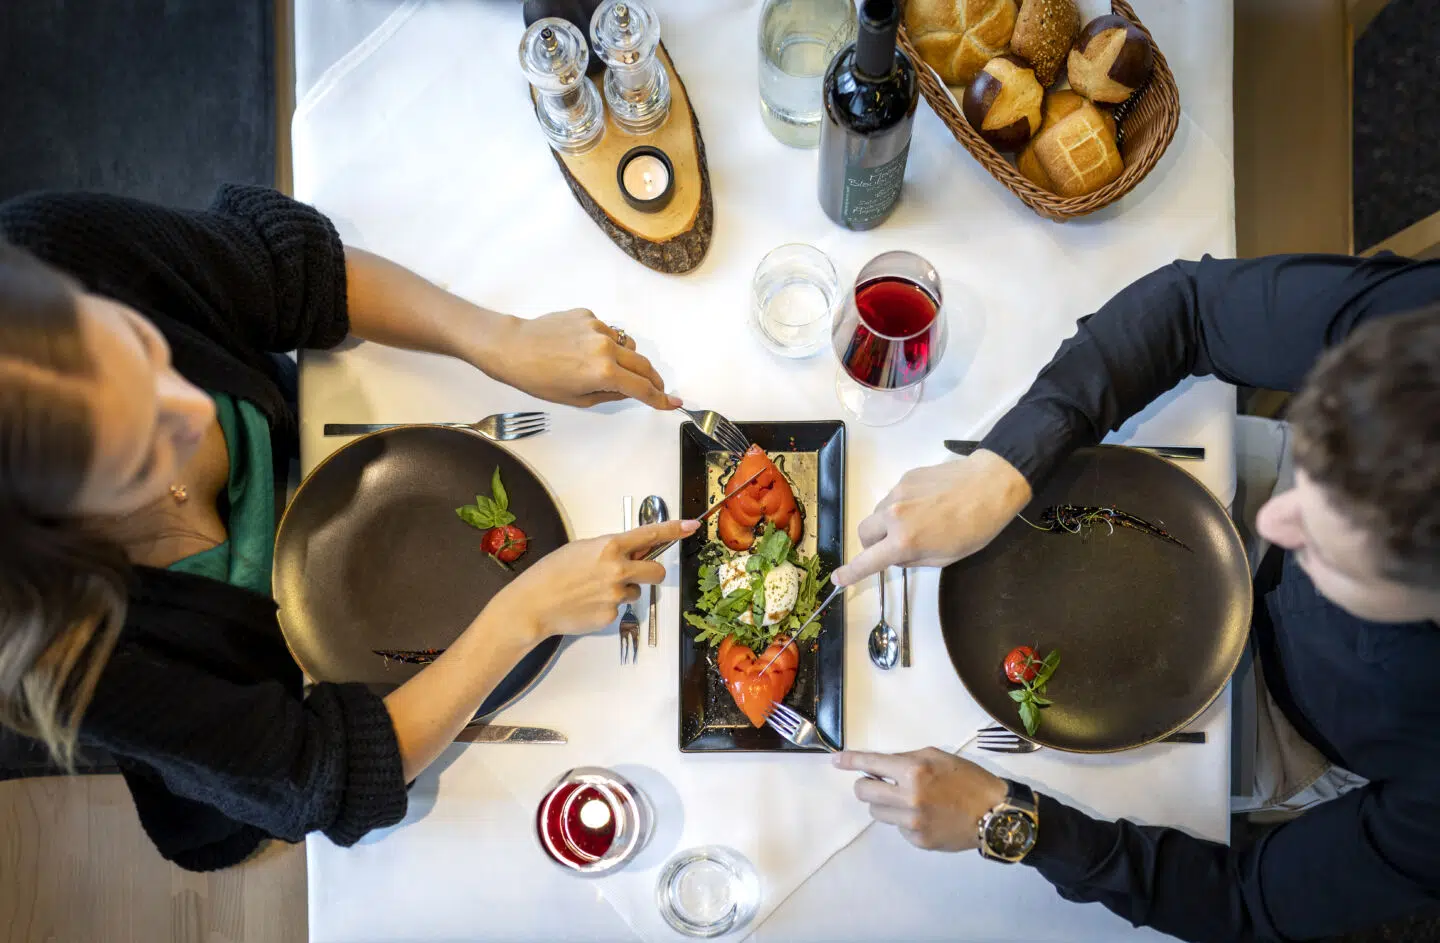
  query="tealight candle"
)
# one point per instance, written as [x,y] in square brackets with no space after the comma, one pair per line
[646,178]
[593,821]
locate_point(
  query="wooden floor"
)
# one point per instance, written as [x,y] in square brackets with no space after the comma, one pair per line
[75,867]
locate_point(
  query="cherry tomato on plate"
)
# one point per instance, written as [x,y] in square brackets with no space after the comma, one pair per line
[1022,664]
[505,544]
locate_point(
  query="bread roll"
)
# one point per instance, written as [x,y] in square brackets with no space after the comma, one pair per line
[1111,59]
[957,37]
[1003,103]
[1044,32]
[1075,152]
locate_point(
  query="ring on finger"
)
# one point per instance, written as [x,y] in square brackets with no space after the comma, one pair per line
[621,337]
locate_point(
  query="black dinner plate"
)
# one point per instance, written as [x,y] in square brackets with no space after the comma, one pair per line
[370,554]
[709,720]
[1148,632]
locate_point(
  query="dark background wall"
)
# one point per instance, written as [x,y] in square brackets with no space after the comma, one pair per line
[159,99]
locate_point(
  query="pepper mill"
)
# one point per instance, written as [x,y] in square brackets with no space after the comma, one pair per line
[568,106]
[626,34]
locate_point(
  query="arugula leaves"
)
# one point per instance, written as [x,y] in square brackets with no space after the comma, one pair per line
[489,512]
[1031,694]
[718,616]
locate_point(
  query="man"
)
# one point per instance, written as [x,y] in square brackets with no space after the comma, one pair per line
[1346,599]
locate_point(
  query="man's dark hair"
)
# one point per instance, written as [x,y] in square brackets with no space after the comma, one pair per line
[1367,427]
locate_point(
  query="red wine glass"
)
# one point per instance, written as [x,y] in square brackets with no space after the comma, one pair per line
[888,336]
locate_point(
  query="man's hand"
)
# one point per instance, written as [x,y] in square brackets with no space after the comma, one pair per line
[939,514]
[934,798]
[571,357]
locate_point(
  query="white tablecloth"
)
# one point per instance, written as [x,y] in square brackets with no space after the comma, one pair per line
[413,132]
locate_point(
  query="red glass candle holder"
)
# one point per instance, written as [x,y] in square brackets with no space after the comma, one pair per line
[593,821]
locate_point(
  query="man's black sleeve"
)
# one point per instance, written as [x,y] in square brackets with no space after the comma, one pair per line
[1259,322]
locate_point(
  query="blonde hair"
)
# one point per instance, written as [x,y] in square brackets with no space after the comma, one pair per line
[63,585]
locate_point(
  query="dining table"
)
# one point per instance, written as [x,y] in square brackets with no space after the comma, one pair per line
[414,132]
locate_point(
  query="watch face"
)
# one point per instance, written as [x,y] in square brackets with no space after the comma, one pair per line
[1010,834]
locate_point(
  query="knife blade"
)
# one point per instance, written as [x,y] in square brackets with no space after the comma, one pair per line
[1178,452]
[804,625]
[656,552]
[499,733]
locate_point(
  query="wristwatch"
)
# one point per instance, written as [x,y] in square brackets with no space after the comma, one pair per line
[1008,831]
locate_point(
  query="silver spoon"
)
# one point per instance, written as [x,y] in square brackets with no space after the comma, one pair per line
[884,644]
[654,511]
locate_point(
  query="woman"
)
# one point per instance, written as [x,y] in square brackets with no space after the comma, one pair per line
[143,420]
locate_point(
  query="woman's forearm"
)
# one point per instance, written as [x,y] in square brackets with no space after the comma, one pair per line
[389,304]
[431,708]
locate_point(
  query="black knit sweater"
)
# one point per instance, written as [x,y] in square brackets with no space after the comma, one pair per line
[200,703]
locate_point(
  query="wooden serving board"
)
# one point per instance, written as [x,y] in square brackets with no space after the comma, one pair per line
[675,239]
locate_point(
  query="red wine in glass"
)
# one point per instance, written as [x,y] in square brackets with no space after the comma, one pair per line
[893,311]
[888,337]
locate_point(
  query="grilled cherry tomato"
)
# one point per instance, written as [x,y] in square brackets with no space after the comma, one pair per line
[505,544]
[1022,664]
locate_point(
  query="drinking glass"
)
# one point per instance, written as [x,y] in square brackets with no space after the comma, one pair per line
[888,335]
[798,38]
[792,298]
[707,891]
[593,821]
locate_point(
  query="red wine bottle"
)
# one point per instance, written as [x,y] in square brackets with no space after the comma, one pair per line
[869,98]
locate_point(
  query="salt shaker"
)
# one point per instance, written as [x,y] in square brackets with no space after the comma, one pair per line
[567,105]
[626,35]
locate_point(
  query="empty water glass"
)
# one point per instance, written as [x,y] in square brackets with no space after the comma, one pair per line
[793,295]
[708,891]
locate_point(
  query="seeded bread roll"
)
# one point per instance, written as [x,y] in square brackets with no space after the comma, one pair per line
[1044,33]
[1075,152]
[957,37]
[1003,103]
[1111,59]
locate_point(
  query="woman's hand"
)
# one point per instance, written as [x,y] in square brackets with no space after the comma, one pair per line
[573,590]
[939,514]
[935,798]
[578,589]
[571,357]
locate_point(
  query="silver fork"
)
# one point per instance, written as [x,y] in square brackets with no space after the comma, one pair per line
[719,430]
[629,623]
[629,636]
[501,427]
[799,731]
[999,740]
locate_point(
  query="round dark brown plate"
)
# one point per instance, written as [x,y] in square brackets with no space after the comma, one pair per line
[370,554]
[1148,632]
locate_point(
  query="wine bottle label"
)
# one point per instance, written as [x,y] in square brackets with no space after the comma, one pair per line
[871,192]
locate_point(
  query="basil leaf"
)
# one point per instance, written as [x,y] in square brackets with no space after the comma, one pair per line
[503,517]
[471,515]
[774,546]
[498,490]
[754,563]
[1019,696]
[1030,717]
[1043,702]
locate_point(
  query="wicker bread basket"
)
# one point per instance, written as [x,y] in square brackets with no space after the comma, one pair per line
[1147,122]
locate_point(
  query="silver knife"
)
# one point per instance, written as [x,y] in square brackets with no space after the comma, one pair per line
[499,733]
[804,625]
[1178,452]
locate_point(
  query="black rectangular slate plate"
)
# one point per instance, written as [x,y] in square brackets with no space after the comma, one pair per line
[709,720]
